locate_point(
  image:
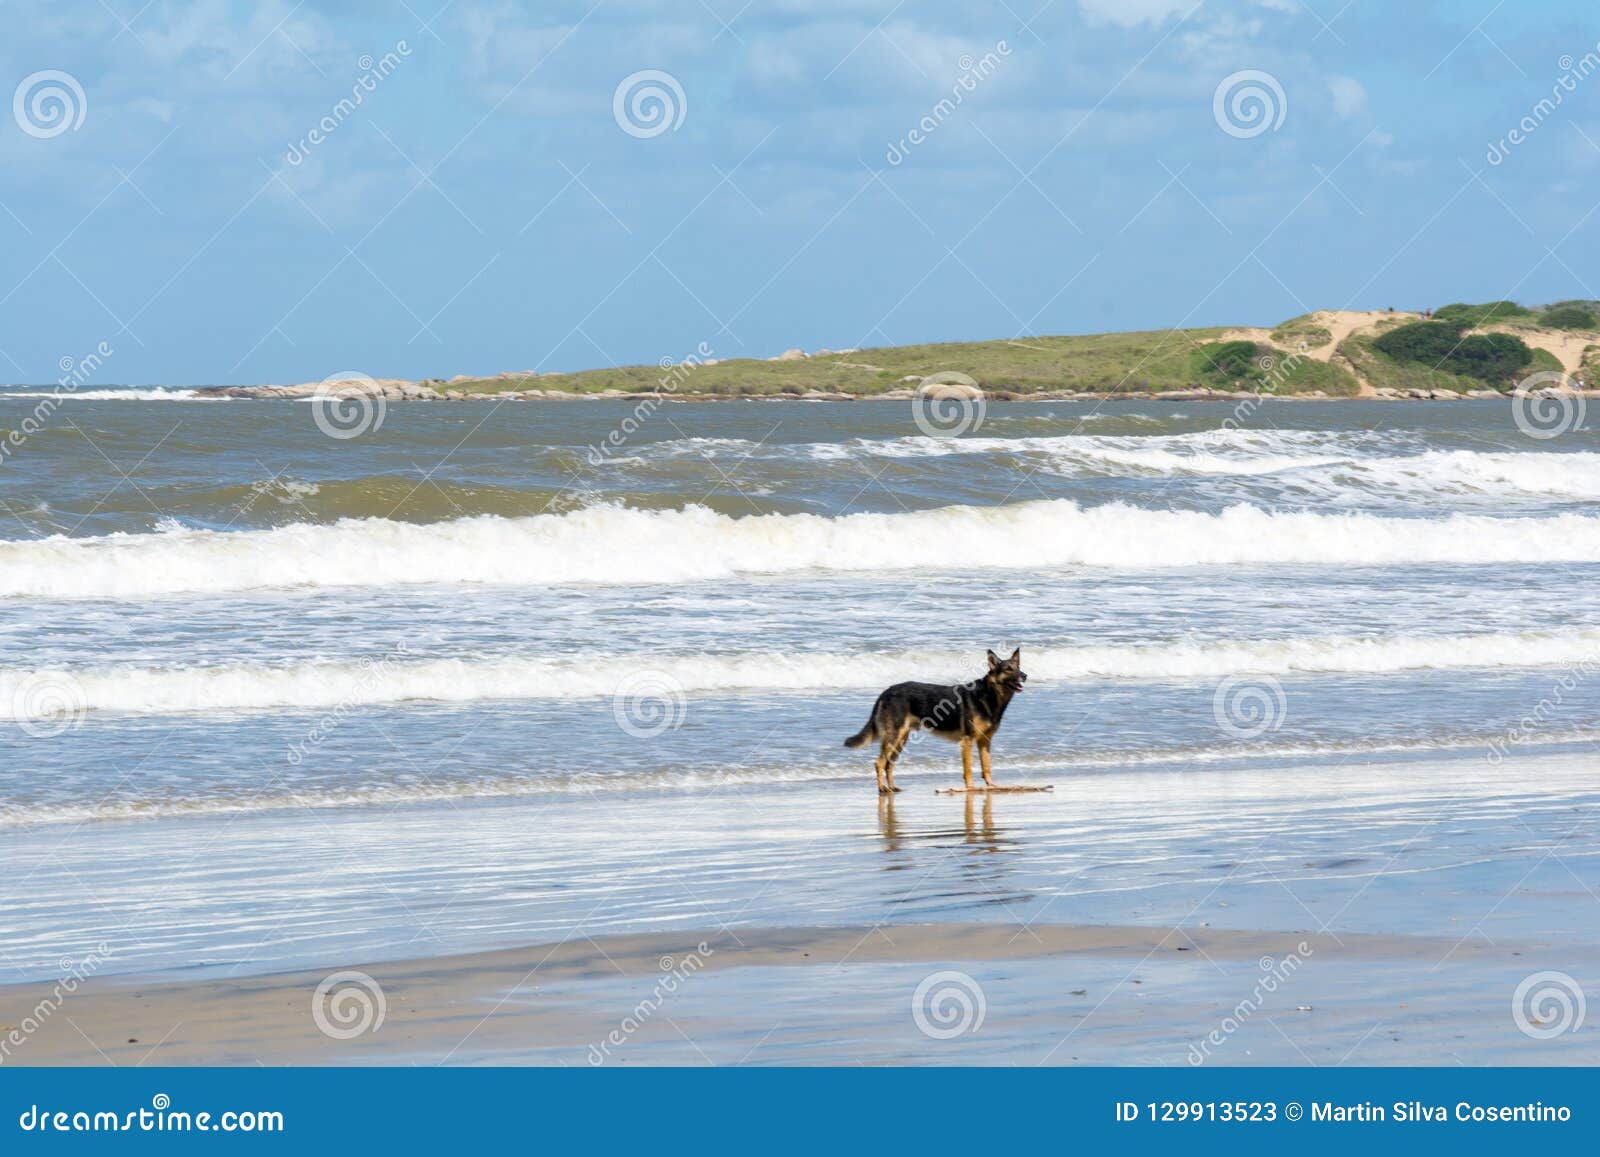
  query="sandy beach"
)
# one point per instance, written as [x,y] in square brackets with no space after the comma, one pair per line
[1151,620]
[1365,914]
[1049,994]
[477,755]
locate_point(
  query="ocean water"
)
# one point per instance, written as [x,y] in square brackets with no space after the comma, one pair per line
[214,614]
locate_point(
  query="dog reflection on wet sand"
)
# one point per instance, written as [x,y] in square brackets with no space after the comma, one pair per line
[978,826]
[964,713]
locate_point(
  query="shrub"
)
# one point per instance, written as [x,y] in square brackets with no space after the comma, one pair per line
[1226,361]
[1489,357]
[1489,313]
[1569,317]
[1302,329]
[1420,341]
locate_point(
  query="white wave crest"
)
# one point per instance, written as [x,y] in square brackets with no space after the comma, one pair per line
[316,685]
[153,394]
[1332,463]
[609,544]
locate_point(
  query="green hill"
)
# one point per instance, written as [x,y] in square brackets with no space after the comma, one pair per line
[1462,348]
[1157,361]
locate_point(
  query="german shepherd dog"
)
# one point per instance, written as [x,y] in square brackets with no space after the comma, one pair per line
[966,713]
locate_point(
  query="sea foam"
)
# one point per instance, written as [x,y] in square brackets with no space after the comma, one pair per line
[613,544]
[636,680]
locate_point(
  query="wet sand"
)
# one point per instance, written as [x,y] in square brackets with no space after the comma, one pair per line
[1363,914]
[945,993]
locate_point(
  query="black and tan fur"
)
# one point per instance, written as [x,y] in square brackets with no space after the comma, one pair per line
[966,713]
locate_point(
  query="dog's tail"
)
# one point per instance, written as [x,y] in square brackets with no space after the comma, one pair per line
[866,735]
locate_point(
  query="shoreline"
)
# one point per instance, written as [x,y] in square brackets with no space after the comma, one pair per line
[762,995]
[420,393]
[1111,921]
[1416,849]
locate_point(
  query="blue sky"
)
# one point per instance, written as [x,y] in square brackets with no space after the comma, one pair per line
[485,207]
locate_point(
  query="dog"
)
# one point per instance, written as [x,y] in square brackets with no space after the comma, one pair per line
[966,713]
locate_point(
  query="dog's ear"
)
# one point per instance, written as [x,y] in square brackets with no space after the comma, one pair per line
[1016,656]
[994,660]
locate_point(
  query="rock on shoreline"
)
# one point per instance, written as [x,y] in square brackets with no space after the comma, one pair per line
[390,389]
[397,390]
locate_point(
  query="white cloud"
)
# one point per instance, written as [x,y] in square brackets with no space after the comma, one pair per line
[161,110]
[1131,13]
[270,38]
[1349,97]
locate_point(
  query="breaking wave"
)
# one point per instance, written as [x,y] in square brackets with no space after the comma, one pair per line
[613,544]
[126,394]
[331,684]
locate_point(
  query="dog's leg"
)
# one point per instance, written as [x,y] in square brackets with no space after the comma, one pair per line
[879,764]
[893,753]
[983,760]
[966,763]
